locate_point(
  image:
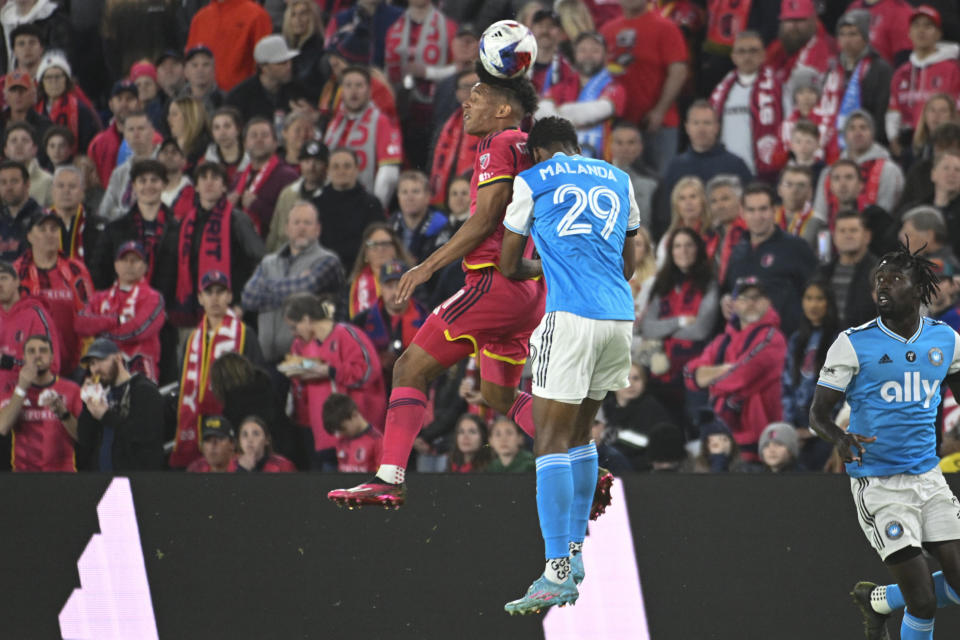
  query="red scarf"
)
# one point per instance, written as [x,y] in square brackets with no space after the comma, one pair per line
[71,240]
[214,250]
[766,113]
[870,172]
[833,89]
[737,230]
[196,397]
[454,155]
[151,244]
[257,183]
[683,300]
[364,291]
[64,111]
[727,18]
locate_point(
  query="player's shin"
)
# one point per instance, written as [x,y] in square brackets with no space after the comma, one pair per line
[583,468]
[403,423]
[554,499]
[946,595]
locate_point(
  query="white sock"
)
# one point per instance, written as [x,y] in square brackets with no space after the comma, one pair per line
[575,548]
[878,600]
[558,570]
[391,473]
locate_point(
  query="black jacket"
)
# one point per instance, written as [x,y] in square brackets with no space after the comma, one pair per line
[343,217]
[783,263]
[136,417]
[253,100]
[246,249]
[860,306]
[124,229]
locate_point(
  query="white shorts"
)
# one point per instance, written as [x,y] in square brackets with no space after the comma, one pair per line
[905,510]
[575,357]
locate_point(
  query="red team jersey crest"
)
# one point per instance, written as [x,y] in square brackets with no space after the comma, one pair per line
[500,157]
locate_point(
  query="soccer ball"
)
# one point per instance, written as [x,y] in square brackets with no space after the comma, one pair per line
[507,49]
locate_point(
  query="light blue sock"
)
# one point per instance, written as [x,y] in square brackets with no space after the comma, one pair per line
[946,596]
[583,465]
[916,628]
[554,497]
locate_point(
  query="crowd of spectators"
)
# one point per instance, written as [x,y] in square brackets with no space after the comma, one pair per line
[206,207]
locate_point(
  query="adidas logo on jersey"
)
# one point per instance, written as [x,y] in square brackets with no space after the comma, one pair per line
[885,359]
[910,390]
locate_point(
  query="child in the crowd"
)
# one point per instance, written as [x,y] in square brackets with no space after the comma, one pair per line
[255,449]
[358,444]
[719,452]
[805,151]
[779,447]
[507,443]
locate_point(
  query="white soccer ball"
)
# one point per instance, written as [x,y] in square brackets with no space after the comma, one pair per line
[507,49]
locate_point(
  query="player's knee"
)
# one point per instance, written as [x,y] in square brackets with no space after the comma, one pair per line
[404,371]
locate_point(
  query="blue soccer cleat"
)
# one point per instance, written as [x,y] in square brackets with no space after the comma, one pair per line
[576,568]
[544,594]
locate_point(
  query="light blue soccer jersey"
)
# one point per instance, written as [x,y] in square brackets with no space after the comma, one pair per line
[579,211]
[893,387]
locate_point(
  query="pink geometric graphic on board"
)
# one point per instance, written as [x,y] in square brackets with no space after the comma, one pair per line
[113,601]
[611,600]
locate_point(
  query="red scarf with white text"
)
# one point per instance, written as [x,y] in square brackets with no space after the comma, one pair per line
[766,113]
[202,350]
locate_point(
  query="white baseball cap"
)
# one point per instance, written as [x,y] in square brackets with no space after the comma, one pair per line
[273,50]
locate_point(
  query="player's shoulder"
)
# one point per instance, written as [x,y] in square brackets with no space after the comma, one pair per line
[503,139]
[938,329]
[868,326]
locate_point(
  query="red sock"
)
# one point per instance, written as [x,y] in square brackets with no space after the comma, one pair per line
[404,420]
[522,413]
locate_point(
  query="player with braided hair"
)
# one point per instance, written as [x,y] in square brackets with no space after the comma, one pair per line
[890,370]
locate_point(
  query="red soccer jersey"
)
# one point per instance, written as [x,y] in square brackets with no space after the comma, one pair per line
[644,47]
[65,289]
[889,26]
[359,454]
[500,157]
[915,81]
[39,441]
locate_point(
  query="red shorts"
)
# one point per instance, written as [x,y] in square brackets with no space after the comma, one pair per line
[491,317]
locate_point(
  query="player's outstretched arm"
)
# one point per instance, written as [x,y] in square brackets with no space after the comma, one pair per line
[512,263]
[849,445]
[491,201]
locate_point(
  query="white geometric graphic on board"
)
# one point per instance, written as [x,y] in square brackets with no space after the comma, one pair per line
[611,601]
[113,601]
